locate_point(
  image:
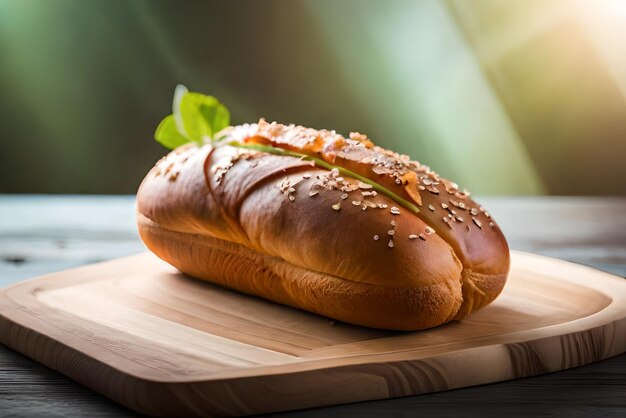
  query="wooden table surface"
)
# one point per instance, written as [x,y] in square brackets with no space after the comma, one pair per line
[42,234]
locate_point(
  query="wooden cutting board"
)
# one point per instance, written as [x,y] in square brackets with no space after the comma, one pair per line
[162,343]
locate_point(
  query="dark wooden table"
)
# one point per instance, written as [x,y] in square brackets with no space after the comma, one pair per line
[42,234]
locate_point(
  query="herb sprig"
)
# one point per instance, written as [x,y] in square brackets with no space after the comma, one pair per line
[195,118]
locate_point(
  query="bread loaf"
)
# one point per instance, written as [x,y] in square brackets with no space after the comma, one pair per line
[298,232]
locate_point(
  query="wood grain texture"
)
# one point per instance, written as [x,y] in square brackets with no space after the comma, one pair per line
[161,343]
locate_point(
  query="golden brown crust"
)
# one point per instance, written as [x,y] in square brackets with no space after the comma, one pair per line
[344,251]
[464,224]
[479,290]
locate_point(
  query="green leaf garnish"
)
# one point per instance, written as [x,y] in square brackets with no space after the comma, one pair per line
[195,118]
[203,116]
[167,134]
[318,161]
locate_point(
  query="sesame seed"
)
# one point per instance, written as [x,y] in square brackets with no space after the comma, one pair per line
[398,181]
[422,237]
[291,190]
[390,245]
[391,232]
[443,205]
[340,179]
[468,228]
[344,196]
[393,223]
[313,193]
[446,219]
[334,172]
[292,197]
[474,211]
[427,182]
[458,218]
[421,187]
[364,186]
[382,205]
[337,206]
[429,230]
[477,222]
[376,237]
[491,224]
[412,236]
[395,211]
[431,207]
[364,207]
[356,202]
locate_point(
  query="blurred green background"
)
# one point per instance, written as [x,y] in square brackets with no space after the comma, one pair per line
[504,97]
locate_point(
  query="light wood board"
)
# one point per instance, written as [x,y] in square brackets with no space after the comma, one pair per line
[164,344]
